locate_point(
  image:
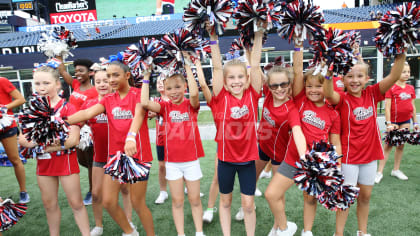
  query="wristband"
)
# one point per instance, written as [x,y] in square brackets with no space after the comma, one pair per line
[131,134]
[63,147]
[145,81]
[358,54]
[158,9]
[248,67]
[414,124]
[130,139]
[214,42]
[327,77]
[390,126]
[388,122]
[298,49]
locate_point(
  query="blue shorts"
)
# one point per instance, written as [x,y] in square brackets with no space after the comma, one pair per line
[8,133]
[160,150]
[401,123]
[265,157]
[247,176]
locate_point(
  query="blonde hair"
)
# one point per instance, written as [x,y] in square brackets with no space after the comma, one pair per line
[310,74]
[177,75]
[234,62]
[288,71]
[365,65]
[48,69]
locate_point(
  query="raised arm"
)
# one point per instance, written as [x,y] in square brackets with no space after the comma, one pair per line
[130,143]
[84,115]
[146,103]
[71,141]
[18,99]
[332,96]
[216,59]
[256,78]
[63,72]
[202,80]
[192,85]
[395,74]
[298,69]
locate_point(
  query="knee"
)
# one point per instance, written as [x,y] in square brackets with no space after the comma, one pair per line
[309,200]
[363,199]
[162,167]
[400,148]
[177,202]
[125,191]
[226,203]
[50,205]
[76,205]
[248,207]
[108,203]
[96,197]
[195,201]
[15,160]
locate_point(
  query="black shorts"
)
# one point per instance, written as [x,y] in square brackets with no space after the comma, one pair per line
[401,123]
[8,133]
[265,157]
[160,150]
[168,9]
[226,172]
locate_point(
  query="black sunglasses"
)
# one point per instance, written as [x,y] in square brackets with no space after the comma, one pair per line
[276,86]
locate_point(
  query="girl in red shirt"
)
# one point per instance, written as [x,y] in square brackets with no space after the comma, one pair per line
[52,167]
[360,137]
[10,98]
[182,144]
[121,108]
[399,110]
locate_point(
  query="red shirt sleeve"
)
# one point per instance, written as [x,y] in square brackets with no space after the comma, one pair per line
[163,106]
[266,90]
[6,85]
[293,117]
[413,92]
[376,92]
[388,93]
[336,124]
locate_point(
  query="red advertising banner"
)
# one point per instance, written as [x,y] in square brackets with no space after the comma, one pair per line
[72,17]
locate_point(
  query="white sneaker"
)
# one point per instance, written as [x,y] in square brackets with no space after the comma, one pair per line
[240,215]
[306,233]
[134,233]
[163,195]
[208,214]
[290,231]
[264,174]
[258,193]
[360,233]
[399,174]
[272,232]
[186,192]
[199,234]
[97,231]
[378,177]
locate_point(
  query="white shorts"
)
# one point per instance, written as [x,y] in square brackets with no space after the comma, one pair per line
[190,170]
[359,174]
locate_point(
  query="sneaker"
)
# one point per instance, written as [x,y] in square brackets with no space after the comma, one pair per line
[306,233]
[399,174]
[163,195]
[186,192]
[290,231]
[208,214]
[24,197]
[88,199]
[272,232]
[378,177]
[360,233]
[258,193]
[240,215]
[266,175]
[97,231]
[134,233]
[199,234]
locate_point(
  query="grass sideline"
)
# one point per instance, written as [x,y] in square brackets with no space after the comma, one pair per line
[393,208]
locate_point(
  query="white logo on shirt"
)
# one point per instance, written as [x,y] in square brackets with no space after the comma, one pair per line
[238,112]
[177,117]
[267,117]
[120,114]
[101,118]
[339,84]
[79,95]
[310,117]
[362,113]
[405,96]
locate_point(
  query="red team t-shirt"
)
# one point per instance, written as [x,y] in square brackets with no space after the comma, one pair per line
[360,136]
[236,123]
[401,102]
[6,87]
[160,126]
[316,122]
[99,127]
[275,124]
[77,97]
[338,84]
[120,113]
[52,164]
[181,138]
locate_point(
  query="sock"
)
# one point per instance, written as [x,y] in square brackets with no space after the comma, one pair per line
[210,209]
[199,234]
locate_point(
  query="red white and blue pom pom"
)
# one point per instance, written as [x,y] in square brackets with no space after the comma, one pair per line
[396,137]
[217,12]
[10,213]
[126,169]
[341,199]
[40,123]
[278,61]
[355,37]
[299,19]
[6,120]
[86,140]
[249,12]
[398,30]
[413,138]
[318,171]
[57,42]
[335,50]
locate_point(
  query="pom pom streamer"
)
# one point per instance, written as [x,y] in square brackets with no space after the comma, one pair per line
[85,138]
[334,50]
[10,213]
[40,123]
[298,19]
[413,138]
[126,169]
[6,120]
[57,42]
[398,30]
[355,37]
[217,12]
[396,137]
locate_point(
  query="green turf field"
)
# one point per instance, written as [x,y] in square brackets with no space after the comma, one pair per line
[394,205]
